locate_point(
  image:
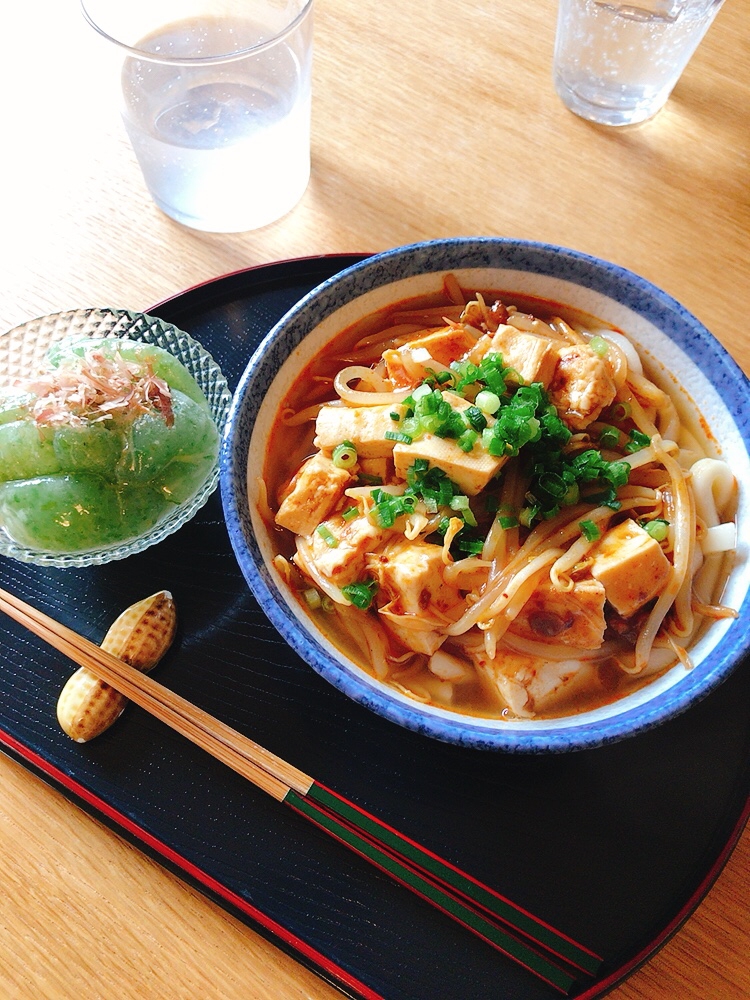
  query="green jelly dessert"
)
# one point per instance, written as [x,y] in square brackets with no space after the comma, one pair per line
[101,445]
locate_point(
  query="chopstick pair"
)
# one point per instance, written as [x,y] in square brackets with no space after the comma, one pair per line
[515,932]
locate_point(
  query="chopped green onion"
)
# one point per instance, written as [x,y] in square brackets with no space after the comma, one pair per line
[599,346]
[327,535]
[326,603]
[637,441]
[476,418]
[493,443]
[471,546]
[429,423]
[418,467]
[453,424]
[525,418]
[528,515]
[432,402]
[467,373]
[606,499]
[513,375]
[445,492]
[589,530]
[620,411]
[383,515]
[558,479]
[350,512]
[389,506]
[658,528]
[553,484]
[609,437]
[571,495]
[425,389]
[589,465]
[395,416]
[468,515]
[398,436]
[467,440]
[488,402]
[344,455]
[508,521]
[553,427]
[361,594]
[459,502]
[443,377]
[312,598]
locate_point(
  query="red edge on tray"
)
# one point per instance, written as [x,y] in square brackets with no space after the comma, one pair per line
[321,961]
[604,985]
[301,947]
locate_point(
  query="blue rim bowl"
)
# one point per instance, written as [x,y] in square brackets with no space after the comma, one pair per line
[673,338]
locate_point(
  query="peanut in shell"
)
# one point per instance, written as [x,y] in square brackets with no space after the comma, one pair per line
[140,636]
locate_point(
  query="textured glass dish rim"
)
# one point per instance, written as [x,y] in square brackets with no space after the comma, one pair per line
[609,280]
[207,373]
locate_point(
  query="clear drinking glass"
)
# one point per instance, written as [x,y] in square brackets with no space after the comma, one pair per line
[616,63]
[216,102]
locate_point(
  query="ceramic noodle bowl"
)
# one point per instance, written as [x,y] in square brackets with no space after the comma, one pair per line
[679,353]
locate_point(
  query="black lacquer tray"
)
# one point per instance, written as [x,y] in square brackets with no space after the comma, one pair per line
[614,846]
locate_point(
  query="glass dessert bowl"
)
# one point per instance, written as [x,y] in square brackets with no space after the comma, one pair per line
[110,422]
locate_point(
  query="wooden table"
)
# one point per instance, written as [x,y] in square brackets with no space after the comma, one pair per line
[428,120]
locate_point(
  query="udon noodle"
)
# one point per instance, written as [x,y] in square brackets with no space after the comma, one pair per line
[496,509]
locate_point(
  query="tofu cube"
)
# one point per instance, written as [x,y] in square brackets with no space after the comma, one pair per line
[445,345]
[581,386]
[410,576]
[315,492]
[631,566]
[572,618]
[529,684]
[420,639]
[344,562]
[410,364]
[532,356]
[471,471]
[364,426]
[412,591]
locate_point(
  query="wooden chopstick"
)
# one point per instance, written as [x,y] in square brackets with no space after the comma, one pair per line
[463,886]
[248,758]
[512,930]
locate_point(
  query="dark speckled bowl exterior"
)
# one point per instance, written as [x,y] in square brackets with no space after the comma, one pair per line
[675,340]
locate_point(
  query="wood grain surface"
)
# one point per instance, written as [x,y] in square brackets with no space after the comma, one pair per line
[429,120]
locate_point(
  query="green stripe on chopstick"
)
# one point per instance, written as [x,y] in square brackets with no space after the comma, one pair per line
[518,919]
[505,942]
